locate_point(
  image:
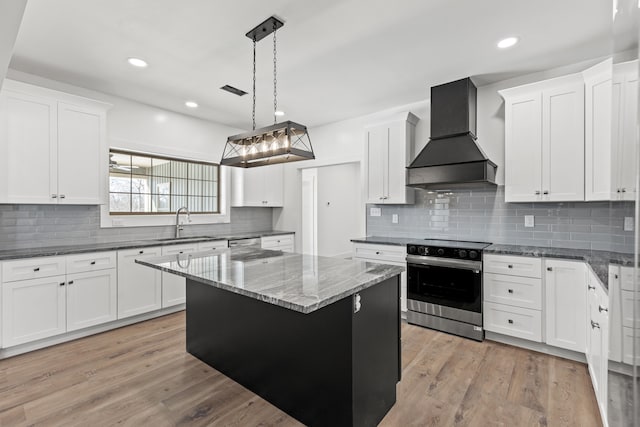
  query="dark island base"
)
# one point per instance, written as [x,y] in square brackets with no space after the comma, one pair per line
[331,367]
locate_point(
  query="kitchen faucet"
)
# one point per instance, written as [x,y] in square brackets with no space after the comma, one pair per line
[179,226]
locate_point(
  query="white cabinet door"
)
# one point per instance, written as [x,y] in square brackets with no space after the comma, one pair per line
[597,138]
[615,315]
[563,143]
[594,340]
[523,148]
[139,287]
[80,147]
[33,309]
[628,150]
[28,149]
[174,286]
[377,150]
[566,304]
[273,180]
[91,298]
[261,186]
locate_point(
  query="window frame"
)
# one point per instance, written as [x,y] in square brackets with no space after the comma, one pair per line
[218,178]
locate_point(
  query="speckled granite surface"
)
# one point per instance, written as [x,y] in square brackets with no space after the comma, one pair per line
[14,253]
[598,260]
[298,282]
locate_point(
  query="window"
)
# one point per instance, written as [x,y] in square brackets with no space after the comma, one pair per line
[141,184]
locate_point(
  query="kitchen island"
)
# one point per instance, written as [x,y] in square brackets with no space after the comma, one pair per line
[317,337]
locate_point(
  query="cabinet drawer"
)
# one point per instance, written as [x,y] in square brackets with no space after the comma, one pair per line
[215,244]
[277,241]
[178,249]
[90,262]
[514,321]
[513,265]
[518,291]
[32,268]
[380,252]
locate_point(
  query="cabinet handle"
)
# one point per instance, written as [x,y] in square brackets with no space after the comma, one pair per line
[509,266]
[595,325]
[62,196]
[54,196]
[537,192]
[92,263]
[624,190]
[591,288]
[377,253]
[618,191]
[545,192]
[181,252]
[141,252]
[510,291]
[549,268]
[510,321]
[62,284]
[70,282]
[601,309]
[615,276]
[36,269]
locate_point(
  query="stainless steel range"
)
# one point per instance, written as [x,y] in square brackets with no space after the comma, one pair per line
[444,286]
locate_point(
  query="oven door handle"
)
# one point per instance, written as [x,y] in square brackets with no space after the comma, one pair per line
[445,262]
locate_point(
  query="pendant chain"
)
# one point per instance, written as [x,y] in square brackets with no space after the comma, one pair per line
[275,78]
[254,84]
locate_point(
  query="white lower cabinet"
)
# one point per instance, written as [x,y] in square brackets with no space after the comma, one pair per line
[514,321]
[565,304]
[33,309]
[91,298]
[284,243]
[598,340]
[385,254]
[174,286]
[139,287]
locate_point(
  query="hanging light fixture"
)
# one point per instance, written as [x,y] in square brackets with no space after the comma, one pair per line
[279,143]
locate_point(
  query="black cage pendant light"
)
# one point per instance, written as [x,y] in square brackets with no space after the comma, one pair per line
[279,143]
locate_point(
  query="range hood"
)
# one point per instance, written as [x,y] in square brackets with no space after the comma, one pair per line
[452,158]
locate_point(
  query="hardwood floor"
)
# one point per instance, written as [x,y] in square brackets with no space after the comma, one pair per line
[141,375]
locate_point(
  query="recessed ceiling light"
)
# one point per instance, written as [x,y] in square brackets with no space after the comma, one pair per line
[137,62]
[191,104]
[279,113]
[508,42]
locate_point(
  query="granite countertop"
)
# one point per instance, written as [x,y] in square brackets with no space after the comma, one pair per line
[303,283]
[598,260]
[100,246]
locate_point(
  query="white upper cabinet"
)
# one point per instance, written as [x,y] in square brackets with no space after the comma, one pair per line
[261,186]
[624,111]
[388,152]
[597,137]
[53,146]
[544,140]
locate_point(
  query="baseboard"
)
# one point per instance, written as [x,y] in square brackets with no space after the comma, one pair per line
[536,346]
[70,336]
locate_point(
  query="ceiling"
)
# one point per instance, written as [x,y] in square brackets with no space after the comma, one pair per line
[336,58]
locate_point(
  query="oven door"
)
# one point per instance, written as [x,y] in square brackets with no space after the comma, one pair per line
[445,282]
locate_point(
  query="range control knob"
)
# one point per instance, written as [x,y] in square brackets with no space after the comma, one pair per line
[423,250]
[473,254]
[462,253]
[440,251]
[412,249]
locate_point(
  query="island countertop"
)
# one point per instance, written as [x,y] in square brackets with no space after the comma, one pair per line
[302,283]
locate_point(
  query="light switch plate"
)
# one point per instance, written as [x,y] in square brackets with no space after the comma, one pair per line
[375,212]
[394,218]
[628,223]
[529,221]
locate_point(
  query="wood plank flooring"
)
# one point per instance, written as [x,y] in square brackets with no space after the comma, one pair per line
[141,375]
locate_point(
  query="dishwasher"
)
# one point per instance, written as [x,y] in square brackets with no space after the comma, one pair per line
[254,243]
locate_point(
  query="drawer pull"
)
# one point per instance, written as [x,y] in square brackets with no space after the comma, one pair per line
[55,196]
[615,276]
[510,321]
[595,325]
[377,253]
[70,282]
[601,309]
[509,266]
[591,288]
[141,252]
[545,192]
[36,269]
[181,252]
[549,268]
[92,263]
[62,284]
[510,291]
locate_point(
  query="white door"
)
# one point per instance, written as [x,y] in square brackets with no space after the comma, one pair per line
[79,156]
[29,149]
[523,148]
[91,298]
[377,152]
[174,286]
[139,287]
[33,309]
[563,143]
[566,304]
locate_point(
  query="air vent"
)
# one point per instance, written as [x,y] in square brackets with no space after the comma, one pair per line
[233,90]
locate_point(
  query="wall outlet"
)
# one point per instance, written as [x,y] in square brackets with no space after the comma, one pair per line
[628,223]
[375,212]
[394,218]
[529,221]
